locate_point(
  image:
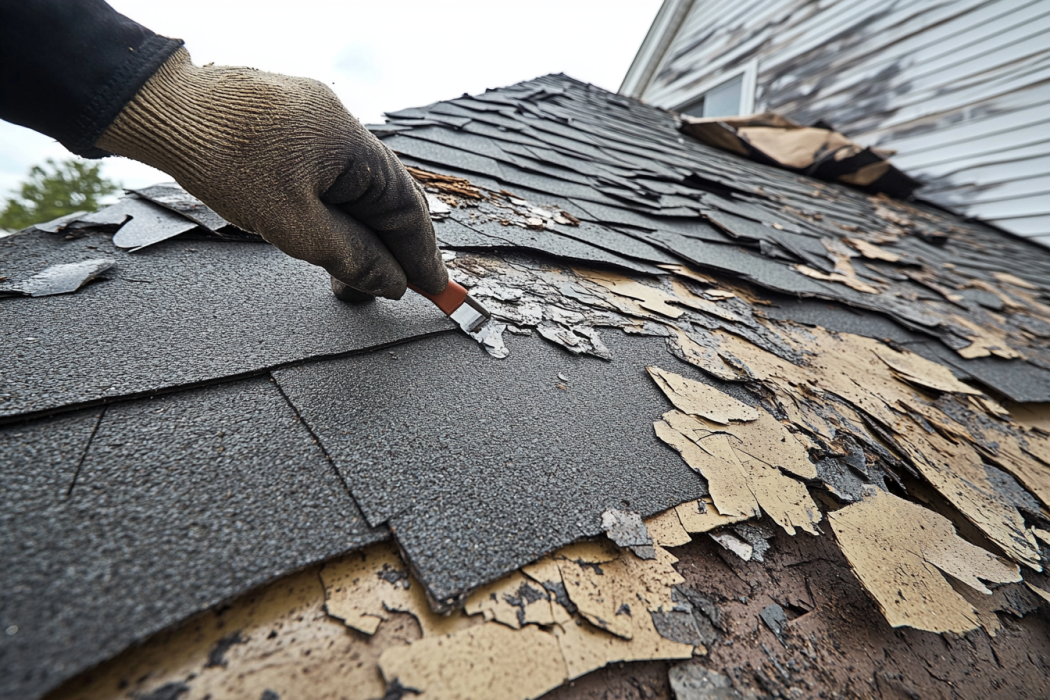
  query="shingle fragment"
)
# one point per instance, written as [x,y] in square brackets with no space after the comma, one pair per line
[63,278]
[626,529]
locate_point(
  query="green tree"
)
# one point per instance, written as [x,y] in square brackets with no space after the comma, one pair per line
[53,190]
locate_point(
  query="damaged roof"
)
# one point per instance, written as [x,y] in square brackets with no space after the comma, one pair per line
[716,346]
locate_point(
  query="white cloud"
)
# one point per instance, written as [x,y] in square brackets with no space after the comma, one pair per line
[382,55]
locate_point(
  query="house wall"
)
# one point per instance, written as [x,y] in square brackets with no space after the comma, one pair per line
[960,88]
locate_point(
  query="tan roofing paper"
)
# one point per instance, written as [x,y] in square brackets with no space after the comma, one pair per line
[614,591]
[742,460]
[898,550]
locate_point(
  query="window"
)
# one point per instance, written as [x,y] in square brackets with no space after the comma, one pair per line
[722,101]
[725,96]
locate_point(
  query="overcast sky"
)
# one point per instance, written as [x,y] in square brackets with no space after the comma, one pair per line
[379,56]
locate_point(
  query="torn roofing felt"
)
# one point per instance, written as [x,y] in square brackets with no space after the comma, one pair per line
[818,151]
[606,244]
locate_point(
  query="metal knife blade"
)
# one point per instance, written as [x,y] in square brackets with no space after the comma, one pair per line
[468,313]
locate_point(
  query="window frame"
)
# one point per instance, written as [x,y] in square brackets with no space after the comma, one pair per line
[748,85]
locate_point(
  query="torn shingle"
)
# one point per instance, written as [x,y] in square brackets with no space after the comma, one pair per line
[735,544]
[147,224]
[178,200]
[63,278]
[626,529]
[698,399]
[666,529]
[819,152]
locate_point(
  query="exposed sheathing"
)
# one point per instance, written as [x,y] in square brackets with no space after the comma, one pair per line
[577,610]
[833,639]
[531,631]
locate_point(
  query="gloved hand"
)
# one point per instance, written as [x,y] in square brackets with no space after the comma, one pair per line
[281,157]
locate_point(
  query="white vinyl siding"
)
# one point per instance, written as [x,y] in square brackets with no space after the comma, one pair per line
[960,88]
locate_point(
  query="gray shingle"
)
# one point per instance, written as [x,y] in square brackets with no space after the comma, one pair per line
[179,503]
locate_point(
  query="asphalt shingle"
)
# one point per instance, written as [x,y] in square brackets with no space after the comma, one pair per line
[177,314]
[482,466]
[113,529]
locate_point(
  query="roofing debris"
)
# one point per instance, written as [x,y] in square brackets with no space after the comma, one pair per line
[663,277]
[173,197]
[626,529]
[147,216]
[581,608]
[818,151]
[691,681]
[641,192]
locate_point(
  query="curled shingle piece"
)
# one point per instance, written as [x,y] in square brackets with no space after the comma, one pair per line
[922,372]
[697,399]
[702,516]
[178,200]
[739,482]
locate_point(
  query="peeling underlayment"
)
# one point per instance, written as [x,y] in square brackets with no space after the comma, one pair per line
[902,493]
[840,392]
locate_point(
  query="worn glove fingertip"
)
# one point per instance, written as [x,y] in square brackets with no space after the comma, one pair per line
[344,292]
[389,284]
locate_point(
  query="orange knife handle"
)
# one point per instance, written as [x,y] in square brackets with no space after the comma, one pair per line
[448,300]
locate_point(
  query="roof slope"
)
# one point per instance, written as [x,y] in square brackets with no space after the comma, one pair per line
[644,191]
[221,421]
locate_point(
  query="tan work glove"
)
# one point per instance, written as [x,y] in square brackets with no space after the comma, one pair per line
[281,157]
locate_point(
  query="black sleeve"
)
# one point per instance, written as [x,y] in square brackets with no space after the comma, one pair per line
[68,67]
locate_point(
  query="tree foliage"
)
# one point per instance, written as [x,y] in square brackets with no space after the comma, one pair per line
[53,190]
